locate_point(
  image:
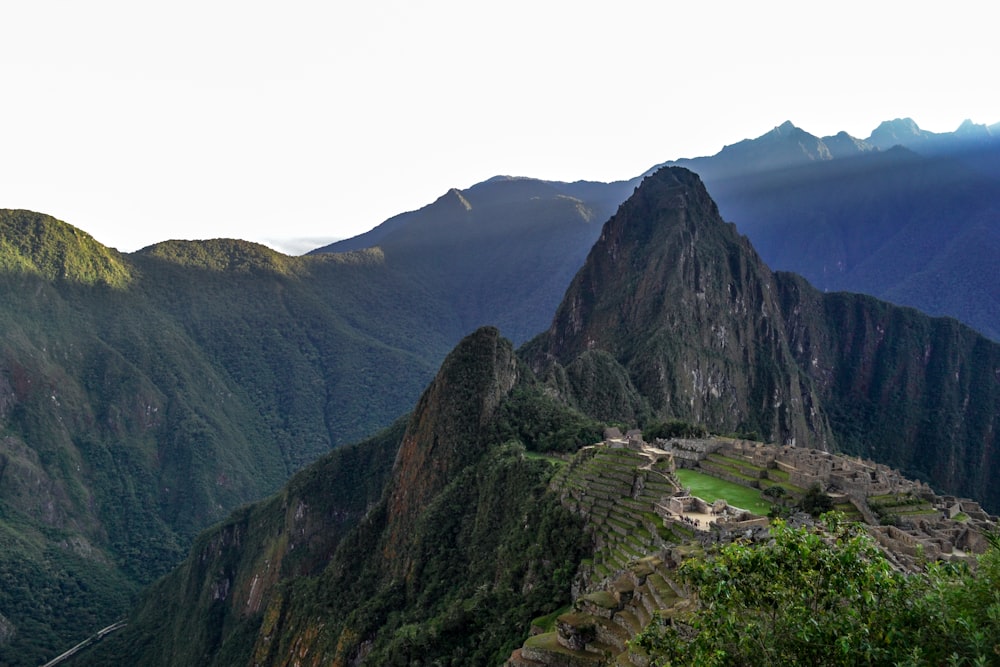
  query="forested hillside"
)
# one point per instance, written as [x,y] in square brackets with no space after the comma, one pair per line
[145,396]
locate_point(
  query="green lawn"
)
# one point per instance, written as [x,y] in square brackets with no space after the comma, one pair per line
[710,489]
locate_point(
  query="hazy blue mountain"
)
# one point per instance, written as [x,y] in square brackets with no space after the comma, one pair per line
[501,252]
[905,215]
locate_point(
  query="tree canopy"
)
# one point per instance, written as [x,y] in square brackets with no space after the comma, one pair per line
[826,595]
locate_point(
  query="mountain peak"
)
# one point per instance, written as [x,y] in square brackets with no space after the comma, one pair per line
[970,129]
[454,198]
[897,131]
[785,129]
[682,302]
[36,243]
[445,432]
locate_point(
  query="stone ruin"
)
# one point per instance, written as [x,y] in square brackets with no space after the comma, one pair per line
[866,485]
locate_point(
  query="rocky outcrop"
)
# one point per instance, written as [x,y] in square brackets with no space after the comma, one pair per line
[445,433]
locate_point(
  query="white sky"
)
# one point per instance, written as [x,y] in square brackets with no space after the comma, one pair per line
[140,122]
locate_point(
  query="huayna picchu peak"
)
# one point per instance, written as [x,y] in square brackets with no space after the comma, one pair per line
[684,304]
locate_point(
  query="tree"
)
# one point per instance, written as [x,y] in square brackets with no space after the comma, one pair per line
[815,501]
[774,493]
[827,595]
[821,596]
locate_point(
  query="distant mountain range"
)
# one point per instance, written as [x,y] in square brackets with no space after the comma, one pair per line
[908,216]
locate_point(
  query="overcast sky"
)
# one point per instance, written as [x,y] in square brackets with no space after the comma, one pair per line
[140,122]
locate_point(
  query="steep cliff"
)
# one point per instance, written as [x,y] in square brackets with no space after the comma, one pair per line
[686,307]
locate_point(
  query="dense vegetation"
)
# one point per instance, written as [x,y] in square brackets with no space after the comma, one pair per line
[494,550]
[827,596]
[143,397]
[465,546]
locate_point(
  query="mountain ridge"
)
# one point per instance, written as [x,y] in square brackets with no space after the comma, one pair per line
[151,392]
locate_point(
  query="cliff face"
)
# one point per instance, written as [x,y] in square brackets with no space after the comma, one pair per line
[208,609]
[917,393]
[685,305]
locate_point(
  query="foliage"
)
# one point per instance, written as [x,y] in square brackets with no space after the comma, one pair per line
[673,428]
[544,424]
[815,501]
[33,243]
[144,396]
[827,596]
[495,551]
[775,492]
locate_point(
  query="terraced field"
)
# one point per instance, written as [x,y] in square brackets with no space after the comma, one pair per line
[628,581]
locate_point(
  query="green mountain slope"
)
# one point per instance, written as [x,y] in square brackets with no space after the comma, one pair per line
[144,397]
[464,547]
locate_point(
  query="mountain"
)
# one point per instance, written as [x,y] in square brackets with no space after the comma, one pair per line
[469,540]
[906,215]
[676,297]
[783,147]
[145,396]
[500,253]
[464,547]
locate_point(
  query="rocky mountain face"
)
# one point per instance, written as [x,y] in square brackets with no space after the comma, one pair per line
[686,307]
[918,393]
